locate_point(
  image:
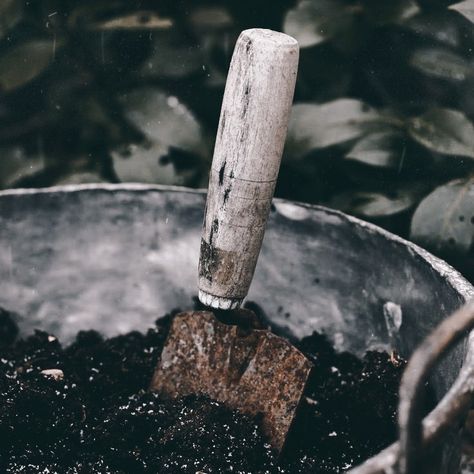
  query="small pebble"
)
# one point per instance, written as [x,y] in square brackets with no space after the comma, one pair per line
[56,374]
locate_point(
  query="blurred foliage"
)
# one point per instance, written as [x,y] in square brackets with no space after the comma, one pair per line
[129,90]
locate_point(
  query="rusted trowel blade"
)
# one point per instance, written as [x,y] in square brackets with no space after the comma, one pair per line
[253,371]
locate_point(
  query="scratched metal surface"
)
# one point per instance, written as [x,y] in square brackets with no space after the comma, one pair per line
[115,257]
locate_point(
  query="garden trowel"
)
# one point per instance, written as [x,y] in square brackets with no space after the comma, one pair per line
[224,353]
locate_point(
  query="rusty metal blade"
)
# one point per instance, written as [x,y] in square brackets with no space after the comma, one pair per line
[252,371]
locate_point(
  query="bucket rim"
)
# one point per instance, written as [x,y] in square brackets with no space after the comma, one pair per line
[453,277]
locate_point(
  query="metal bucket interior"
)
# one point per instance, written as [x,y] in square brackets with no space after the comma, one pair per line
[116,257]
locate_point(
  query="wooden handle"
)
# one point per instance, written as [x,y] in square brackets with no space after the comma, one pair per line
[247,154]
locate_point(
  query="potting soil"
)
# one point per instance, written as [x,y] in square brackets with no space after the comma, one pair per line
[94,413]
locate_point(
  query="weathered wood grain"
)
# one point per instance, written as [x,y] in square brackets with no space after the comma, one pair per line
[249,145]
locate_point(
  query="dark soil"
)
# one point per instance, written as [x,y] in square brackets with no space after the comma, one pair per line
[99,418]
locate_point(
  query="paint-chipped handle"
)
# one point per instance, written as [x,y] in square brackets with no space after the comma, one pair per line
[249,145]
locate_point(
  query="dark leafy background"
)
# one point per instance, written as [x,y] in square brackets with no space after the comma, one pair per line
[125,90]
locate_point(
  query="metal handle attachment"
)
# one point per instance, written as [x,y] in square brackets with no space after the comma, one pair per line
[410,408]
[417,435]
[249,145]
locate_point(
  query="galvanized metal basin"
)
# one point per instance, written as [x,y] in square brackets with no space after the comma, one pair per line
[116,257]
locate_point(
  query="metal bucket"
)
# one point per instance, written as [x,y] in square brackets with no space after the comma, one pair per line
[115,257]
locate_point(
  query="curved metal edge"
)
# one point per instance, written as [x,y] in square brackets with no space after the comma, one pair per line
[452,276]
[448,333]
[435,423]
[69,188]
[453,405]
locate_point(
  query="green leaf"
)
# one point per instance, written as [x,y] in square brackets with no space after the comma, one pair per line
[436,28]
[11,12]
[465,8]
[388,12]
[315,126]
[383,149]
[444,220]
[373,205]
[204,19]
[80,177]
[313,22]
[23,63]
[139,20]
[171,57]
[103,15]
[442,64]
[444,131]
[170,131]
[16,165]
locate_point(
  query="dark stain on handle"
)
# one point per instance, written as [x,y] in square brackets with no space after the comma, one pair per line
[246,100]
[214,230]
[226,194]
[216,264]
[221,174]
[223,122]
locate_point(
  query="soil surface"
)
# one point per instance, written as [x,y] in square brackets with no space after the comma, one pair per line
[96,416]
